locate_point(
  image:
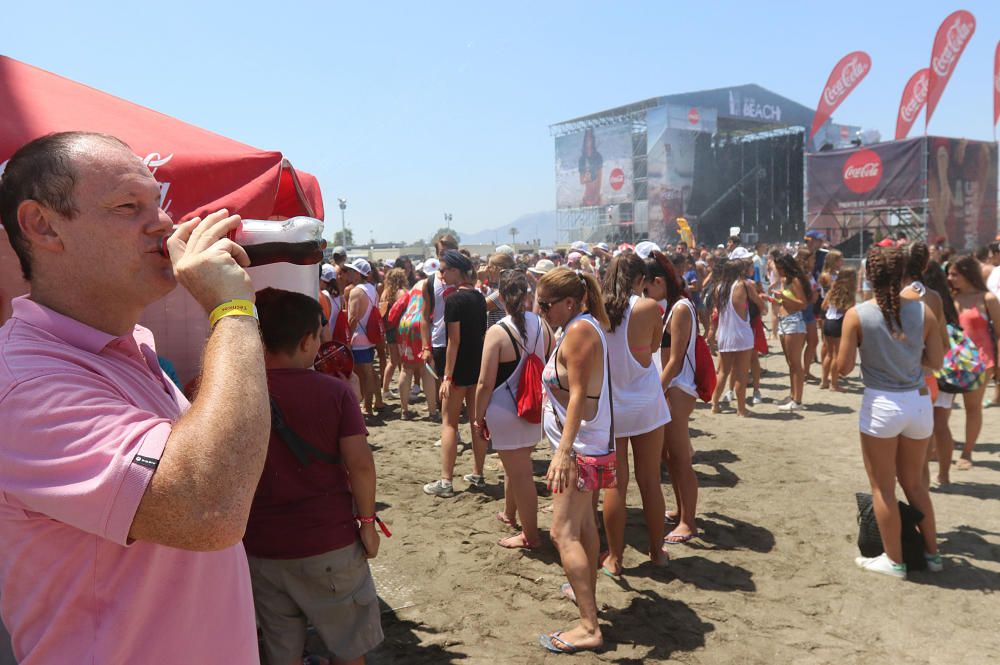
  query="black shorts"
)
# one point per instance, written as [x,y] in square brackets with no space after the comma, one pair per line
[833,327]
[440,353]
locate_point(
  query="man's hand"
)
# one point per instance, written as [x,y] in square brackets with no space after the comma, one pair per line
[207,263]
[370,540]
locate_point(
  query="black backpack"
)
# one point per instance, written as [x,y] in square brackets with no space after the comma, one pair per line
[870,540]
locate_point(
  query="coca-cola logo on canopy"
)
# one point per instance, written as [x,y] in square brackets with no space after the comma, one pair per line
[617,178]
[862,171]
[153,162]
[850,74]
[957,35]
[693,116]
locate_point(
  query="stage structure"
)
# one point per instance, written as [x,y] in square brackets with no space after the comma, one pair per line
[928,188]
[719,158]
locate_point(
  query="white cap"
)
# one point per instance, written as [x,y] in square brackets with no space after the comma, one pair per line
[361,266]
[505,249]
[431,265]
[740,253]
[339,249]
[542,267]
[418,266]
[582,247]
[389,263]
[645,248]
[327,273]
[604,246]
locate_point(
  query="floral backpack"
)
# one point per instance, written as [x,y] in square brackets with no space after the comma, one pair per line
[963,370]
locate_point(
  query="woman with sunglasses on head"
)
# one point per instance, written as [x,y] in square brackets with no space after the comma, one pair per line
[577,420]
[792,297]
[807,262]
[979,316]
[897,339]
[508,345]
[640,407]
[677,381]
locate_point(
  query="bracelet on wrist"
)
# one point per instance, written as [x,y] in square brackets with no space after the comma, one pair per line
[374,519]
[232,308]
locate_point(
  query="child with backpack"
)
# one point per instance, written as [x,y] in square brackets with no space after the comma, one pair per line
[509,401]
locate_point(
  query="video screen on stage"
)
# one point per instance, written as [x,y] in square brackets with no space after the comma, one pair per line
[594,167]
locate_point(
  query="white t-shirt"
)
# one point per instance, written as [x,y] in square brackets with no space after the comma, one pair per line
[993,281]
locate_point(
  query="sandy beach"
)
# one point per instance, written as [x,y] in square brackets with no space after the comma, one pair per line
[771,580]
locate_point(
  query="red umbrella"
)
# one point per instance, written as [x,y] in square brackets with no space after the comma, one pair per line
[199,171]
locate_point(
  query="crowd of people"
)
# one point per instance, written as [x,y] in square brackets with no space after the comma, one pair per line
[252,498]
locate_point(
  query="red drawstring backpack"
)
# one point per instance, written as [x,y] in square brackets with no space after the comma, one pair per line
[529,386]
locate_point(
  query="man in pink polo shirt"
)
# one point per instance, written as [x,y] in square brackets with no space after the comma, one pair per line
[122,506]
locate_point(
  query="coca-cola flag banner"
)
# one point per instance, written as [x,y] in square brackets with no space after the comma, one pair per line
[914,98]
[996,86]
[844,78]
[952,37]
[594,167]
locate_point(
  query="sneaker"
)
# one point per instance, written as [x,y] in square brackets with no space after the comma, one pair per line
[934,562]
[728,396]
[414,392]
[882,564]
[441,488]
[757,398]
[475,481]
[790,406]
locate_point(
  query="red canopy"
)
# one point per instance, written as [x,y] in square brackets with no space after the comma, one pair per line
[199,171]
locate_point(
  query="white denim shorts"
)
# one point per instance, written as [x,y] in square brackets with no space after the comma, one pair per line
[944,400]
[886,414]
[793,324]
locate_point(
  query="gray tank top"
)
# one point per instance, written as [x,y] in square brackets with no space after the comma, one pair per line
[888,363]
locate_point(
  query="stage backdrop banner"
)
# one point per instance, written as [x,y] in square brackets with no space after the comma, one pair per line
[878,176]
[962,188]
[914,99]
[844,78]
[952,37]
[594,167]
[669,172]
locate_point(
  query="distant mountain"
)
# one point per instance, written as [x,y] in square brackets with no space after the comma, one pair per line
[540,225]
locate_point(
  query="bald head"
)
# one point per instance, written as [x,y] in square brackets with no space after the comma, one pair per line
[46,170]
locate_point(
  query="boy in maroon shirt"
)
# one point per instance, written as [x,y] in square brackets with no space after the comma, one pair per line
[307,555]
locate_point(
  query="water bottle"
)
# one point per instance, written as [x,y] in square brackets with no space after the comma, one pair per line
[296,240]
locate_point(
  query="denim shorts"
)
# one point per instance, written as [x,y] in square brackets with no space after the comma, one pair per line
[793,324]
[364,356]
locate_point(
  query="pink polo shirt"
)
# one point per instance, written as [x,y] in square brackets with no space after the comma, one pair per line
[84,418]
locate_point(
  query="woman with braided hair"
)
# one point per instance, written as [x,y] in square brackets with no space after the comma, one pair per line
[897,339]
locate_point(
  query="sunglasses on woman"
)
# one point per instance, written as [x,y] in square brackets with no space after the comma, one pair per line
[544,306]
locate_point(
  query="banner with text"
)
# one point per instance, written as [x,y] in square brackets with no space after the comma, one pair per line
[913,100]
[594,167]
[950,41]
[844,78]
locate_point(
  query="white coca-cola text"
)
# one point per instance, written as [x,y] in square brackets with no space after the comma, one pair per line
[852,72]
[869,170]
[956,37]
[153,162]
[918,96]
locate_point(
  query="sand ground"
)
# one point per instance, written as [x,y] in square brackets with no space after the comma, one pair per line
[771,580]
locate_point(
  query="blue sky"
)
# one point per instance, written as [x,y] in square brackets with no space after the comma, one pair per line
[411,110]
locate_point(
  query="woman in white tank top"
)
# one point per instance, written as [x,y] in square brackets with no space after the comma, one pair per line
[734,333]
[506,349]
[677,380]
[577,420]
[640,407]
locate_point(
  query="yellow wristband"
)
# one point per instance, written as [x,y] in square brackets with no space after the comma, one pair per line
[232,308]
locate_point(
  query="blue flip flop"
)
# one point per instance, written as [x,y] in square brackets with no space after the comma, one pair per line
[547,642]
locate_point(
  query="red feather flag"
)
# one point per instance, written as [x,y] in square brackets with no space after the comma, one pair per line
[913,101]
[844,78]
[952,37]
